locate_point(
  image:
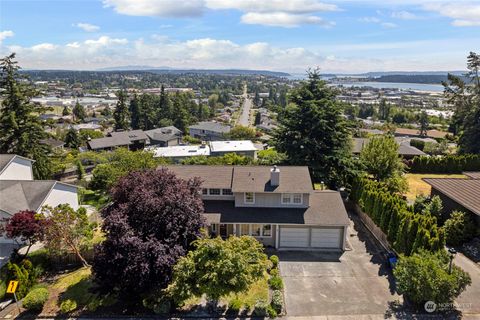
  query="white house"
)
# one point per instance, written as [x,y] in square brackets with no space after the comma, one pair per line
[19,191]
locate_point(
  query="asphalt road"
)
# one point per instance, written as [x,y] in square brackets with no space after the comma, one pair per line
[244,119]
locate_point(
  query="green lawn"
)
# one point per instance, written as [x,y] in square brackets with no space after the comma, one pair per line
[416,186]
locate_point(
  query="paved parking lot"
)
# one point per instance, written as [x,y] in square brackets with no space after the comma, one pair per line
[355,282]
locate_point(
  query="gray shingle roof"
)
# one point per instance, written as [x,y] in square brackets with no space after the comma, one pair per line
[465,192]
[404,148]
[17,195]
[247,178]
[164,134]
[132,135]
[211,126]
[108,142]
[326,209]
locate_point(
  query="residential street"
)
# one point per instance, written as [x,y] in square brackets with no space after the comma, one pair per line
[469,301]
[244,119]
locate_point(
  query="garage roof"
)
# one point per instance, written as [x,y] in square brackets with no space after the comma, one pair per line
[326,209]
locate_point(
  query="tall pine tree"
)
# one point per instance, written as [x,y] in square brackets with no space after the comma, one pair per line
[120,115]
[21,128]
[313,132]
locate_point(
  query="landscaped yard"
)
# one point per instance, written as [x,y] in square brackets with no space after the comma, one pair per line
[416,186]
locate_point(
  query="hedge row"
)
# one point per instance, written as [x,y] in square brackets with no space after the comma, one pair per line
[406,231]
[445,164]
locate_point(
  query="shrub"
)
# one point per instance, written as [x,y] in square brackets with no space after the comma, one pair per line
[260,309]
[68,306]
[235,305]
[35,299]
[274,272]
[419,144]
[274,259]
[459,228]
[271,312]
[275,282]
[277,301]
[445,164]
[424,277]
[3,289]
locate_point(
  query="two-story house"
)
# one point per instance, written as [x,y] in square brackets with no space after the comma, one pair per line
[209,130]
[19,191]
[278,206]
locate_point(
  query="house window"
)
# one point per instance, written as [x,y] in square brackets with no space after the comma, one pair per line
[204,191]
[292,198]
[267,230]
[227,192]
[256,230]
[214,227]
[286,198]
[249,197]
[297,198]
[214,192]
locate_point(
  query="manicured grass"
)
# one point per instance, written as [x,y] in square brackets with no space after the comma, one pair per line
[416,186]
[93,198]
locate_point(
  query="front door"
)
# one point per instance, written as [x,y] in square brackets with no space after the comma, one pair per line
[223,231]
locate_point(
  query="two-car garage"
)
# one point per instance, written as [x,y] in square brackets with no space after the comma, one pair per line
[310,237]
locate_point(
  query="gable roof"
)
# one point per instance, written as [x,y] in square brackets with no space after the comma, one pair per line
[415,132]
[164,134]
[465,192]
[211,126]
[404,149]
[108,142]
[131,135]
[6,159]
[257,179]
[293,179]
[326,208]
[17,195]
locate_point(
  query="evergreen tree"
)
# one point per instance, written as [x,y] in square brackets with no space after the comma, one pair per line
[423,123]
[313,132]
[120,115]
[134,109]
[465,97]
[20,125]
[79,112]
[65,111]
[384,110]
[106,112]
[256,99]
[72,139]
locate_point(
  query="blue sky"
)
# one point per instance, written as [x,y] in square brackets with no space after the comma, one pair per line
[287,35]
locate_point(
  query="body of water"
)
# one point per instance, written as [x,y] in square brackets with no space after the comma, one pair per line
[395,85]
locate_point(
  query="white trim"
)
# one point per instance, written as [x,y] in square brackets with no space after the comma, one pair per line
[291,196]
[245,198]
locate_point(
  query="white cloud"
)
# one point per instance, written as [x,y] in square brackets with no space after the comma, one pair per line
[159,8]
[43,47]
[388,25]
[280,13]
[87,27]
[404,15]
[465,14]
[6,34]
[282,19]
[370,20]
[288,6]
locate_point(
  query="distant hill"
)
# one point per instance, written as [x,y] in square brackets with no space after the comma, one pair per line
[197,71]
[409,73]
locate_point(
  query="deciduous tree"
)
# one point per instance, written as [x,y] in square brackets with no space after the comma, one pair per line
[25,227]
[151,222]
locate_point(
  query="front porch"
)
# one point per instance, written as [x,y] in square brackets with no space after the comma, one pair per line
[265,233]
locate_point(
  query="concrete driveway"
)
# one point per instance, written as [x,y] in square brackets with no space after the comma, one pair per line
[355,282]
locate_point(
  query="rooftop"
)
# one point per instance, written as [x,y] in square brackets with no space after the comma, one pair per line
[465,192]
[472,174]
[211,126]
[326,208]
[181,151]
[5,160]
[164,134]
[232,146]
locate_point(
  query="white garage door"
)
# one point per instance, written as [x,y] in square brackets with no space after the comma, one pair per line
[294,237]
[326,238]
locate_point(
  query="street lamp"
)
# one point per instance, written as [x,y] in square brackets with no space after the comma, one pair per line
[452,252]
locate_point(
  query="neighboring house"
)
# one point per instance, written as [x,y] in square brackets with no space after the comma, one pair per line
[164,137]
[435,134]
[212,148]
[240,147]
[209,130]
[53,143]
[13,167]
[19,191]
[278,206]
[132,139]
[458,194]
[87,126]
[405,150]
